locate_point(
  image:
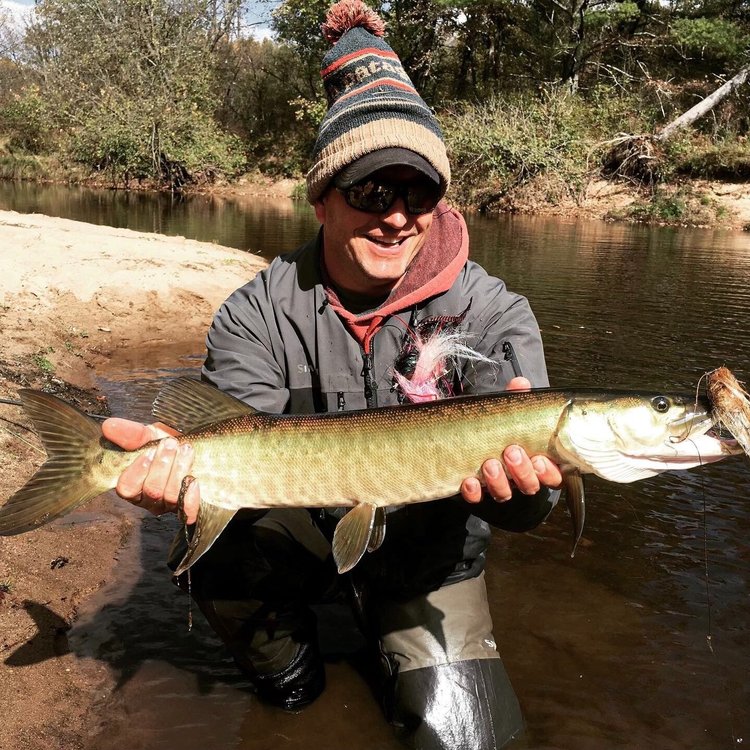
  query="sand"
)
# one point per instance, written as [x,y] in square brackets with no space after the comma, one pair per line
[71,296]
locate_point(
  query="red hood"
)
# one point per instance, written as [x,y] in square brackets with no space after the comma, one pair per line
[432,272]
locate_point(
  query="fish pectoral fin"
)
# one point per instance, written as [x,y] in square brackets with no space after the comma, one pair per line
[361,529]
[575,499]
[211,522]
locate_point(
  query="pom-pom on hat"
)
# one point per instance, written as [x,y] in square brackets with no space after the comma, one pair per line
[372,103]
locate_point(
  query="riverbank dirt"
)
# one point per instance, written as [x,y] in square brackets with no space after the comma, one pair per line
[71,296]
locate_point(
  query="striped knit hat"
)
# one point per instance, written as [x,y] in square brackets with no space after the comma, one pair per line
[372,103]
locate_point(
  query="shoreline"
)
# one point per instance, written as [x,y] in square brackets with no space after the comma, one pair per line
[600,199]
[711,204]
[72,297]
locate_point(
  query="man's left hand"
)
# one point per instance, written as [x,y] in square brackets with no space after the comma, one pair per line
[528,473]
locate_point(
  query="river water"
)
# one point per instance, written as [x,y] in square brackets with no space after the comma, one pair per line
[640,640]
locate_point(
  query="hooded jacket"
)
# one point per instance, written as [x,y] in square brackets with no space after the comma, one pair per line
[285,343]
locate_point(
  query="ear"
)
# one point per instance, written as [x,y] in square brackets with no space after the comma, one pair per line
[320,211]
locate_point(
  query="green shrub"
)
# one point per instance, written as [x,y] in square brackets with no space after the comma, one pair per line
[500,144]
[682,205]
[27,123]
[183,144]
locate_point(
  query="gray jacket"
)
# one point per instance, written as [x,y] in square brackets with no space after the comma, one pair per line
[277,344]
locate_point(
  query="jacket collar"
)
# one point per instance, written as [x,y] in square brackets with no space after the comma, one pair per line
[432,272]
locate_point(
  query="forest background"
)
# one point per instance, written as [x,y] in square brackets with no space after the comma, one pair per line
[537,98]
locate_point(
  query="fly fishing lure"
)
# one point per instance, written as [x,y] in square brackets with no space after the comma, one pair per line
[731,405]
[426,367]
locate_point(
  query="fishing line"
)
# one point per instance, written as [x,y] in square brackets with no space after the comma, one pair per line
[23,439]
[706,572]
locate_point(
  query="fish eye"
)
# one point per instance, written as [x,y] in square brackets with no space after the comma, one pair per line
[660,403]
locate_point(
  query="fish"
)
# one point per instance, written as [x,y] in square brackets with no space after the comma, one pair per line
[366,460]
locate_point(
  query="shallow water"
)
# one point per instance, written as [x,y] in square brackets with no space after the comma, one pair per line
[610,649]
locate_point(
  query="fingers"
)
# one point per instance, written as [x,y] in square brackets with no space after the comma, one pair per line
[494,479]
[549,473]
[517,469]
[471,490]
[521,472]
[156,480]
[153,480]
[518,384]
[132,435]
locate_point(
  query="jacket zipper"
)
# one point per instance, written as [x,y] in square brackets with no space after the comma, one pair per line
[371,386]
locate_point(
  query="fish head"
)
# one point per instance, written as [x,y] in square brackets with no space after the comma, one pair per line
[632,436]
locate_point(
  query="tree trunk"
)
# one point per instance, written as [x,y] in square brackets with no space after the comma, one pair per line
[700,109]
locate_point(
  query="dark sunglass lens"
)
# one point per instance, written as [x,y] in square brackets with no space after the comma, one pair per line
[422,199]
[370,196]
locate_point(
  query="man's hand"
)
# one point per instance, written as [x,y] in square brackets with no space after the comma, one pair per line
[529,474]
[153,481]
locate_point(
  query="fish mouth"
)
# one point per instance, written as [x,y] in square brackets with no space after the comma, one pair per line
[703,441]
[694,422]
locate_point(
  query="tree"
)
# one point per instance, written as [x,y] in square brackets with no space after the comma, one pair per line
[132,83]
[703,107]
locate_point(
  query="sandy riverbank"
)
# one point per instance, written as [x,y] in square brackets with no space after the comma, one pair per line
[71,296]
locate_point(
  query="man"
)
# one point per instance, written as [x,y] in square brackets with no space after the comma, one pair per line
[327,328]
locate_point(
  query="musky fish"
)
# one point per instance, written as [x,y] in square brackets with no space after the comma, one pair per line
[368,459]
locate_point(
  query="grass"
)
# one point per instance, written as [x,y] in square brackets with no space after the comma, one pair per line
[41,362]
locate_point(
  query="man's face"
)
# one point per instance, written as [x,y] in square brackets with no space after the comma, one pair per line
[369,253]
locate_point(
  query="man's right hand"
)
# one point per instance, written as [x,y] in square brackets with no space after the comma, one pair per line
[153,481]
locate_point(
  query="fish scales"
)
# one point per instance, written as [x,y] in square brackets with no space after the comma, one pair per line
[388,456]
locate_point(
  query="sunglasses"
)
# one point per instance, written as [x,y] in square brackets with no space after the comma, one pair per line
[376,197]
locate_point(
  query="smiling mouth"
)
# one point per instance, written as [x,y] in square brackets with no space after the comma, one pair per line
[388,244]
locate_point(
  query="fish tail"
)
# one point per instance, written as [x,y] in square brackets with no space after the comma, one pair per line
[66,479]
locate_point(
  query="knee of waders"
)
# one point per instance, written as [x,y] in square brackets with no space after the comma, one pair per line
[447,688]
[467,705]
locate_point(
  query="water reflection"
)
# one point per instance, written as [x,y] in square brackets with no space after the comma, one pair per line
[265,226]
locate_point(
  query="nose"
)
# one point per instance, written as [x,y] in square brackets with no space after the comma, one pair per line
[396,216]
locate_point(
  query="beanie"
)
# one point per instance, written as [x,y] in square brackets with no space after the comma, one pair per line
[372,103]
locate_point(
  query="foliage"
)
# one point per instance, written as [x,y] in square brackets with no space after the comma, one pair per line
[123,81]
[41,362]
[727,159]
[679,205]
[26,120]
[712,39]
[271,104]
[124,142]
[500,144]
[528,91]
